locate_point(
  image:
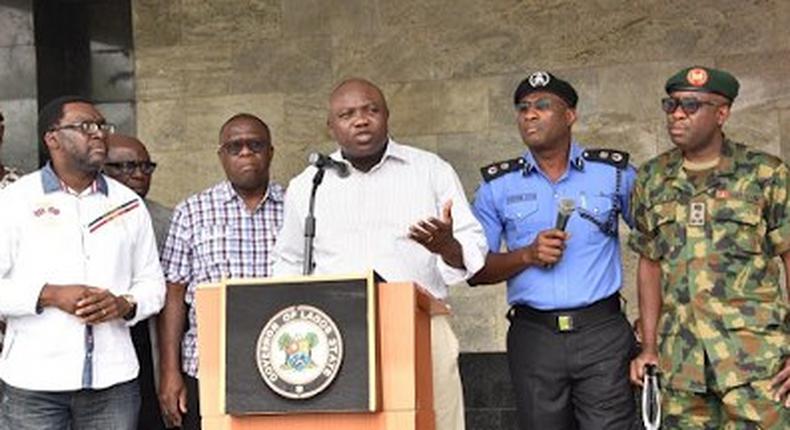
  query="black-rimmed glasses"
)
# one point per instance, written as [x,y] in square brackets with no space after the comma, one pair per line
[129,167]
[87,127]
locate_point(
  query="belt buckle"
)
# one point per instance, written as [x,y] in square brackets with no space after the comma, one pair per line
[565,323]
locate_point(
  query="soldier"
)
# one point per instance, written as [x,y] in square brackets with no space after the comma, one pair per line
[710,216]
[569,344]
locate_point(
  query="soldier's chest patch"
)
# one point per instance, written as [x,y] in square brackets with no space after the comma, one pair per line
[697,214]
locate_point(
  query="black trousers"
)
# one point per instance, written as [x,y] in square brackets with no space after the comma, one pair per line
[572,380]
[150,417]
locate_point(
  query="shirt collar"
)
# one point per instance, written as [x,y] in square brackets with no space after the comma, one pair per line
[726,166]
[575,159]
[229,194]
[51,183]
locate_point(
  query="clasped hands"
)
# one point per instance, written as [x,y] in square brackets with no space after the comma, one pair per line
[92,305]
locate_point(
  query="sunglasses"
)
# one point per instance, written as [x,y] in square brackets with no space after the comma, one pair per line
[540,105]
[235,147]
[690,105]
[129,167]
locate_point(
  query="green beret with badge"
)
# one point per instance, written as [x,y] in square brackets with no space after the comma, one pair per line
[704,79]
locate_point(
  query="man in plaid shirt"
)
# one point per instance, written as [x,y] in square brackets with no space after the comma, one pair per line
[226,231]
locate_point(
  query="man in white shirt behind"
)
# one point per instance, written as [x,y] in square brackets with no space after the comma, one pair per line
[401,211]
[78,267]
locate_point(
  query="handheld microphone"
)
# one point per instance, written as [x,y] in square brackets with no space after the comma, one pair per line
[322,161]
[566,208]
[651,398]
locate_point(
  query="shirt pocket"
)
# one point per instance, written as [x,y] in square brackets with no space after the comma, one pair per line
[521,221]
[212,253]
[738,228]
[597,212]
[668,233]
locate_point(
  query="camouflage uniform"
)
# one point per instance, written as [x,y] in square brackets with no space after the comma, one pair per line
[723,331]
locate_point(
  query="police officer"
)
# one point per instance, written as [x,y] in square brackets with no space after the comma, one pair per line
[710,215]
[569,344]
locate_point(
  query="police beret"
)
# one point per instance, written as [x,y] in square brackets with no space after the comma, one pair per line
[545,81]
[704,79]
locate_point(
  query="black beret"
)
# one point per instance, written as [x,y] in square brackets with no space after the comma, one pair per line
[704,79]
[545,81]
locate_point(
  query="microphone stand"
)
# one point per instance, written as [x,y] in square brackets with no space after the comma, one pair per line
[309,225]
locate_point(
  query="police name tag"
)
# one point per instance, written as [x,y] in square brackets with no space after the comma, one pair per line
[697,214]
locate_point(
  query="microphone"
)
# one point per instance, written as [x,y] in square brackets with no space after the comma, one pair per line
[322,161]
[566,208]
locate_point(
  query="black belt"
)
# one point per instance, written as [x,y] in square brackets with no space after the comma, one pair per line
[567,320]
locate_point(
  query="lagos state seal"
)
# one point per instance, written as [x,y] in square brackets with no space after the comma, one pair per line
[299,352]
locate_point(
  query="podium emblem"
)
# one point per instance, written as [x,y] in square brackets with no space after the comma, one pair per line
[299,352]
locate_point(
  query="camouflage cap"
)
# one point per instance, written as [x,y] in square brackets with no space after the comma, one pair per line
[545,81]
[704,79]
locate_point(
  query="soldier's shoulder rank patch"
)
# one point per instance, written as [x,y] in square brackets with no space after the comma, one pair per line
[495,170]
[613,157]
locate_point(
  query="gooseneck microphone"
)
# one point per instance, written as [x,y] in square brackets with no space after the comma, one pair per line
[322,161]
[566,208]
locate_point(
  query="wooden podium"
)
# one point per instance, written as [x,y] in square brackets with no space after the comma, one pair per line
[404,374]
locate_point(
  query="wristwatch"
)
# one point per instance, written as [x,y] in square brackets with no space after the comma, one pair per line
[132,306]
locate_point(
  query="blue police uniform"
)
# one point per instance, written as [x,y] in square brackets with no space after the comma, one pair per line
[569,344]
[517,201]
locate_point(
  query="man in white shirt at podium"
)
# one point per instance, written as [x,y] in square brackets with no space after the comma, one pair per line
[400,211]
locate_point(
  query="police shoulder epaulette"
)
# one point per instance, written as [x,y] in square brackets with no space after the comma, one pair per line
[617,159]
[495,170]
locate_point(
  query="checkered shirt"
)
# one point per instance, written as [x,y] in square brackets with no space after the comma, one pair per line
[212,237]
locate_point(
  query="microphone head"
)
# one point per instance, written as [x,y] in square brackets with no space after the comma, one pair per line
[314,158]
[567,206]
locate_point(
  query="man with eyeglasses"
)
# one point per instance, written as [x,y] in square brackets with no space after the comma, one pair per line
[711,217]
[78,267]
[557,208]
[226,231]
[129,163]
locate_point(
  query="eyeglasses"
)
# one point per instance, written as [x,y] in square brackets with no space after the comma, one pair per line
[234,147]
[539,105]
[129,167]
[88,127]
[690,105]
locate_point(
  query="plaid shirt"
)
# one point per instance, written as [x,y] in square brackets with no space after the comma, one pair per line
[213,237]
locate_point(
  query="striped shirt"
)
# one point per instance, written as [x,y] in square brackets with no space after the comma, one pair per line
[213,236]
[362,221]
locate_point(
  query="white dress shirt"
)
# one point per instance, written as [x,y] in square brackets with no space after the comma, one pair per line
[101,237]
[363,220]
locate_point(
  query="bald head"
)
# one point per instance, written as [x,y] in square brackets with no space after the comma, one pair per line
[127,161]
[357,84]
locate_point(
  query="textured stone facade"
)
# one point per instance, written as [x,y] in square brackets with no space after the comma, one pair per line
[18,84]
[448,69]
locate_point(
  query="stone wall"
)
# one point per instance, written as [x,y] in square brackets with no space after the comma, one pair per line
[448,69]
[18,84]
